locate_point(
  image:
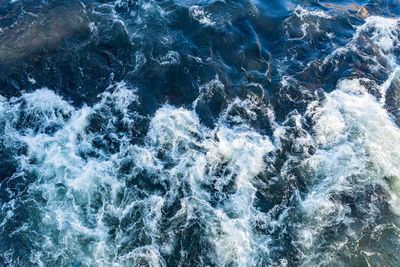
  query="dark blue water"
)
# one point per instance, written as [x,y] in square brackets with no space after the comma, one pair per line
[199,133]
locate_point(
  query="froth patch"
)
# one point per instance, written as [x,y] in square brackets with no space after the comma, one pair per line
[108,204]
[198,13]
[358,150]
[386,31]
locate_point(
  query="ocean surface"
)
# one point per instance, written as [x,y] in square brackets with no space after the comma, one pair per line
[199,133]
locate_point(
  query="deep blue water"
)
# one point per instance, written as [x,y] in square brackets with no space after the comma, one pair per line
[199,133]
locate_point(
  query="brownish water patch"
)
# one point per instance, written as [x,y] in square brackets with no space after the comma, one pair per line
[361,11]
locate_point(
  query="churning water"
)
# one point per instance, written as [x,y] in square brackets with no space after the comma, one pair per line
[199,133]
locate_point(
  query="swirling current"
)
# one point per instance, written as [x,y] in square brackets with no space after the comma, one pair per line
[199,133]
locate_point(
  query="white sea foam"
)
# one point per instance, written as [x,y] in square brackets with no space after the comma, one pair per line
[307,20]
[358,147]
[171,58]
[380,35]
[198,13]
[85,190]
[241,151]
[385,31]
[210,172]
